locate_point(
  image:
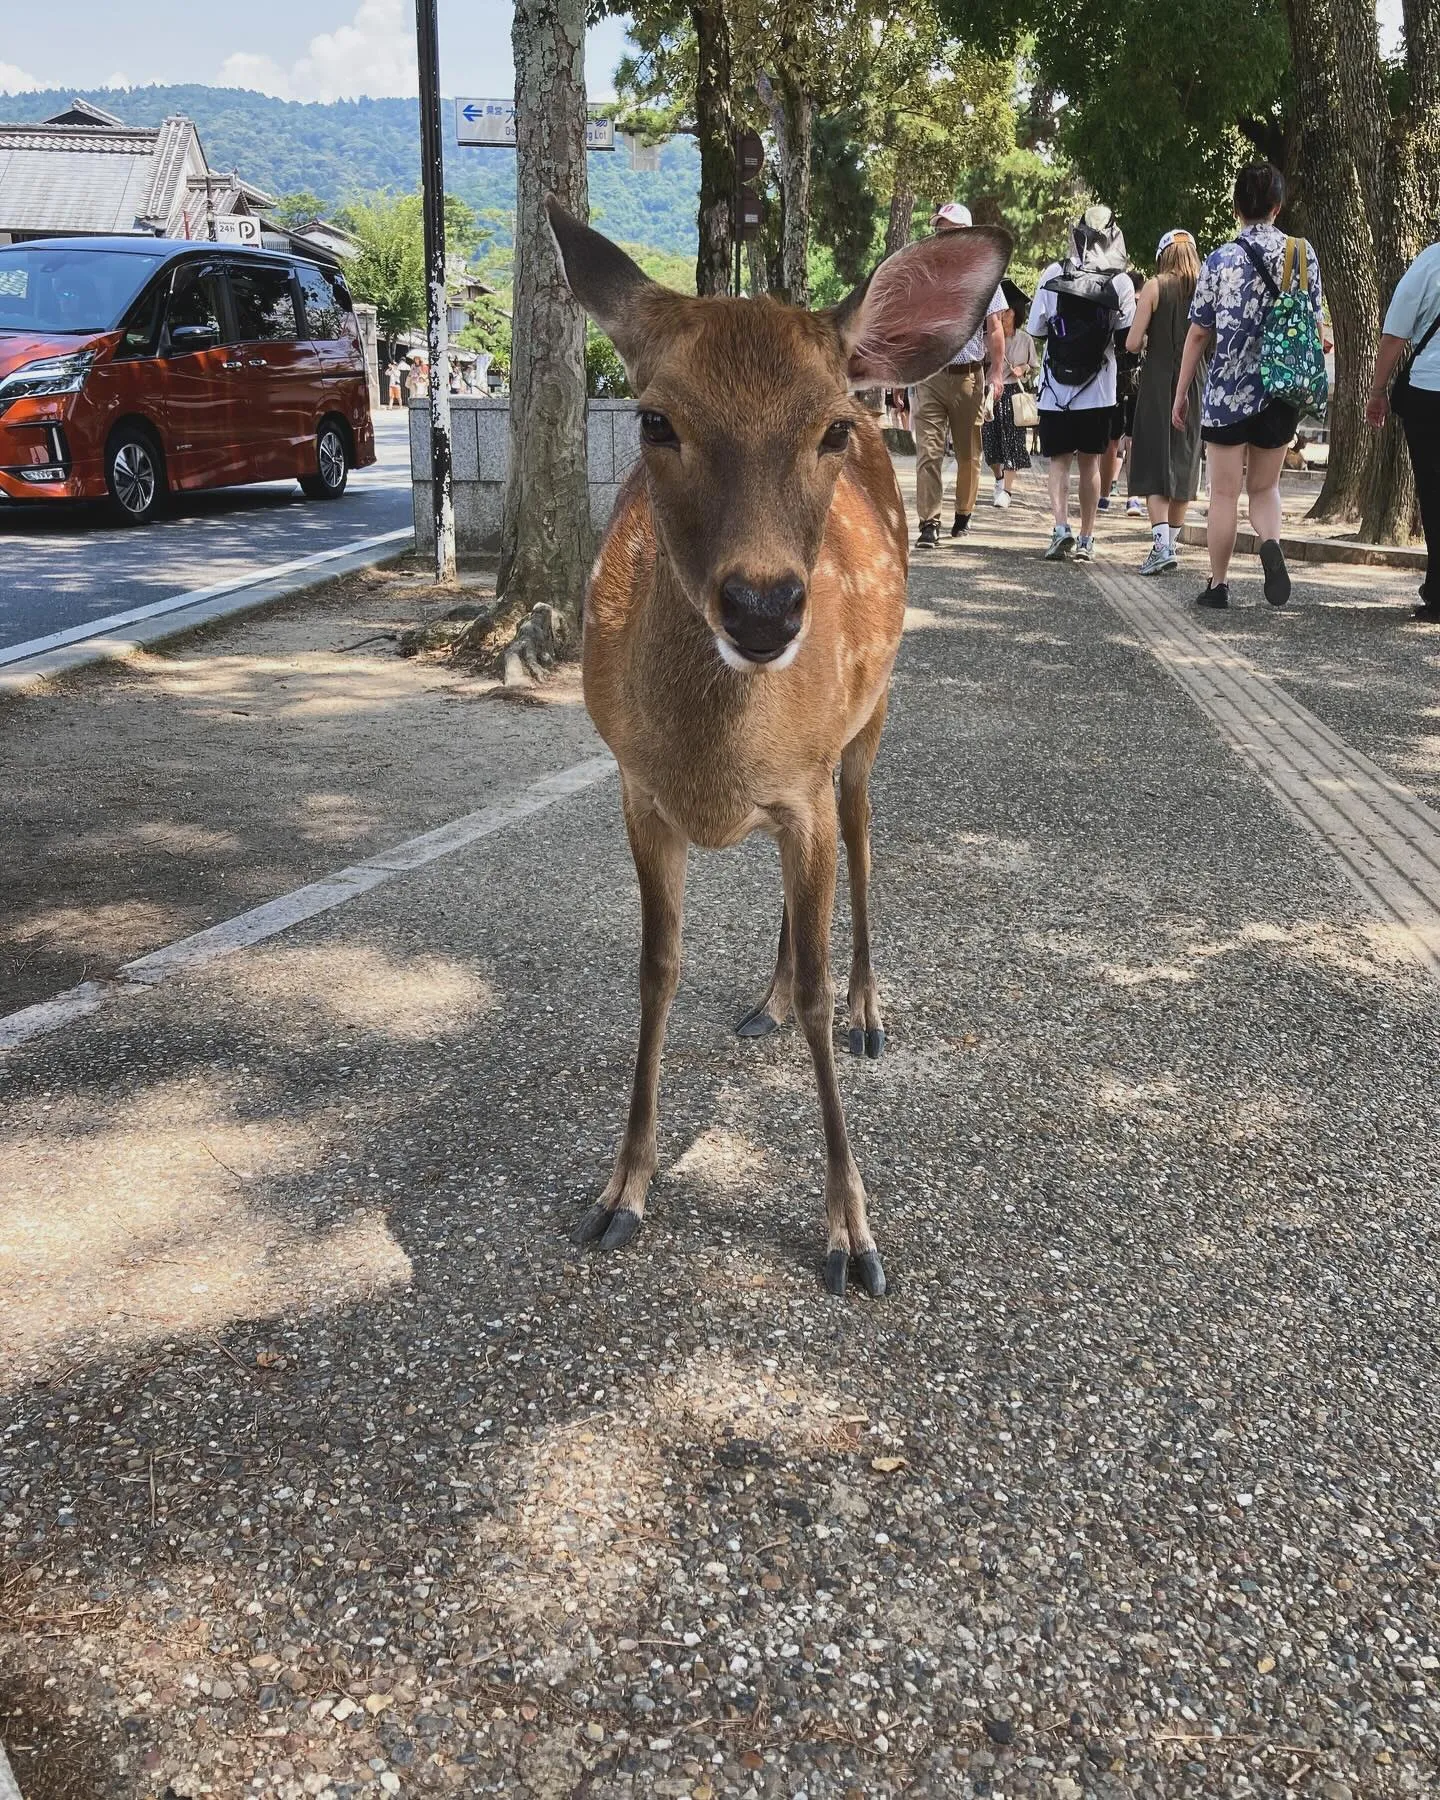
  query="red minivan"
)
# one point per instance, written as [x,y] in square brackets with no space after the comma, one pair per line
[134,368]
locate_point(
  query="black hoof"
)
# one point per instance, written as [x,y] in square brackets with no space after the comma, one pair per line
[757,1024]
[874,1042]
[857,1040]
[594,1225]
[837,1270]
[623,1226]
[868,1272]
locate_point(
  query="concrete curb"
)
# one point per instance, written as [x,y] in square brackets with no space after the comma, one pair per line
[246,594]
[8,1788]
[1305,549]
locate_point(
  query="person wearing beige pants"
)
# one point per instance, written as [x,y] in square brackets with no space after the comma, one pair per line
[955,398]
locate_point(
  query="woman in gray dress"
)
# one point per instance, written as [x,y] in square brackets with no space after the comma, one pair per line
[1165,463]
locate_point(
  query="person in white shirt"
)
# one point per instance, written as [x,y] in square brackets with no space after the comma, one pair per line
[1413,320]
[1077,387]
[955,398]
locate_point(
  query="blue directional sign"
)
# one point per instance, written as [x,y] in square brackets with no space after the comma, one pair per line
[492,123]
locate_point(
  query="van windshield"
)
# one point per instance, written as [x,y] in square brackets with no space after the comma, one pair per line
[46,287]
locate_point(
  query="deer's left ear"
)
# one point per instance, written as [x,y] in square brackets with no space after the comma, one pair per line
[919,307]
[603,279]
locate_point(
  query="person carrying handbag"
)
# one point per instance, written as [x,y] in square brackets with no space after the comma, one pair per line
[1413,318]
[1005,428]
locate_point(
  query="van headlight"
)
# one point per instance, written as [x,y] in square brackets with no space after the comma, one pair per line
[50,375]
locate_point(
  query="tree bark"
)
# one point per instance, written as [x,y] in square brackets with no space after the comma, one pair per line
[715,134]
[755,268]
[794,126]
[902,211]
[1343,231]
[546,537]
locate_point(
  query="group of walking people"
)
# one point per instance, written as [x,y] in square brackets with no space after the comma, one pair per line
[1233,356]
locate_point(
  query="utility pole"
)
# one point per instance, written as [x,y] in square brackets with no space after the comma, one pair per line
[432,174]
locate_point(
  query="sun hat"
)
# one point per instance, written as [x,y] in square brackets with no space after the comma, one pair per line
[952,213]
[1170,237]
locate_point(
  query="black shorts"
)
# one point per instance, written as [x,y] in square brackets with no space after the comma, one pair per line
[1122,420]
[1272,428]
[1084,430]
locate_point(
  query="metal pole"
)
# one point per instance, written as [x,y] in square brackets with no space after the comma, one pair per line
[432,173]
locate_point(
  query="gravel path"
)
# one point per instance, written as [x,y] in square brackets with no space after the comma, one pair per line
[334,1470]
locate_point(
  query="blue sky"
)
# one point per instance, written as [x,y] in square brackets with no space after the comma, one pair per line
[302,49]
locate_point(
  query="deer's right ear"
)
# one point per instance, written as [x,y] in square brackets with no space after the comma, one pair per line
[921,305]
[602,278]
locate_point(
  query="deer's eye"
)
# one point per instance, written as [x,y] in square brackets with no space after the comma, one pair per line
[655,428]
[837,436]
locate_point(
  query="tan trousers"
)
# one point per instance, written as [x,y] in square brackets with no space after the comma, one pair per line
[954,397]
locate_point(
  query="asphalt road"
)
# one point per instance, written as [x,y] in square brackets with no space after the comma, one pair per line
[62,567]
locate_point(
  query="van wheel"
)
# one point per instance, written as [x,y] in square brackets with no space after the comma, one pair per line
[135,476]
[332,465]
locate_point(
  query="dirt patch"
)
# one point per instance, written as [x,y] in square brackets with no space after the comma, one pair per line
[149,798]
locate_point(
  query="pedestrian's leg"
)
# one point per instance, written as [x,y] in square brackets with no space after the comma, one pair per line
[1108,463]
[1089,493]
[1422,437]
[1059,477]
[1176,511]
[965,422]
[1262,481]
[930,423]
[1155,505]
[1227,475]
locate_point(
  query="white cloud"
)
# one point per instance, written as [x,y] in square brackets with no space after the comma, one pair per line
[373,54]
[15,81]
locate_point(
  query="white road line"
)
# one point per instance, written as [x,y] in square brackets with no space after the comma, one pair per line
[275,916]
[1382,834]
[76,634]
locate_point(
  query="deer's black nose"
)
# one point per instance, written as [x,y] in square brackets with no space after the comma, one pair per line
[761,621]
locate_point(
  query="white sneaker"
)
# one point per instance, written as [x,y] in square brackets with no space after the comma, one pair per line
[1160,561]
[1001,498]
[1062,544]
[1134,507]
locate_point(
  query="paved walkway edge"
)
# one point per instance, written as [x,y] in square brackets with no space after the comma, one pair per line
[274,916]
[1383,836]
[8,1788]
[1331,550]
[108,639]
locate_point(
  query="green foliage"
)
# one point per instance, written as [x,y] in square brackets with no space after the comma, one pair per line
[1035,198]
[389,272]
[842,206]
[346,149]
[489,331]
[605,377]
[297,208]
[1156,96]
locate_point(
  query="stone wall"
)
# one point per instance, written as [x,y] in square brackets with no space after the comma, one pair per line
[480,453]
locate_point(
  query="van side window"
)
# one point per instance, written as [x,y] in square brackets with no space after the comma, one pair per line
[195,300]
[142,324]
[264,303]
[324,315]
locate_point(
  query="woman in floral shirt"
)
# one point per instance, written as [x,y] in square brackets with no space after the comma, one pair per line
[1247,434]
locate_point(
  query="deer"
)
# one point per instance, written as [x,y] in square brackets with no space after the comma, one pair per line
[740,625]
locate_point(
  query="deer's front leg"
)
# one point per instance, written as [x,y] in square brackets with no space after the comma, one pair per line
[808,856]
[659,851]
[867,1027]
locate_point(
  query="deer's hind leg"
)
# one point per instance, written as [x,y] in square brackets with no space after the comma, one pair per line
[660,852]
[774,1009]
[867,1028]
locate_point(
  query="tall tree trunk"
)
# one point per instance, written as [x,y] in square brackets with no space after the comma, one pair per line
[715,133]
[1343,231]
[755,265]
[902,211]
[546,538]
[794,112]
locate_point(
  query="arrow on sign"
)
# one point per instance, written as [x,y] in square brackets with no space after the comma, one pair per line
[472,113]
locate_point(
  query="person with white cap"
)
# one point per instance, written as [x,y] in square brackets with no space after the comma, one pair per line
[955,398]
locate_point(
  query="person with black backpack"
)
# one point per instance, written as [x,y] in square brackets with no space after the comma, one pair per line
[1082,310]
[1412,323]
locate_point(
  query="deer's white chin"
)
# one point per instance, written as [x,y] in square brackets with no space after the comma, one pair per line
[733,659]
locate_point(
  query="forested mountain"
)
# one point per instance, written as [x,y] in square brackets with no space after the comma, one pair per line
[345,148]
